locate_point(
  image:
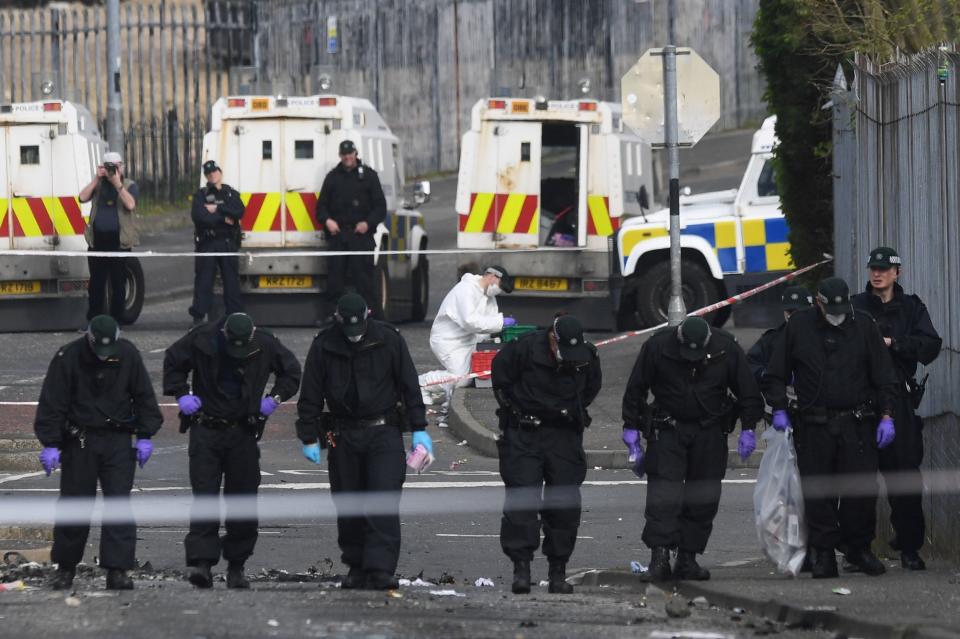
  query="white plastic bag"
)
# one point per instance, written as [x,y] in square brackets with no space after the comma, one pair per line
[778,504]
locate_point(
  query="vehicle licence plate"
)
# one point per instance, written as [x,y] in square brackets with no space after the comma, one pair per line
[286,281]
[260,104]
[24,287]
[540,283]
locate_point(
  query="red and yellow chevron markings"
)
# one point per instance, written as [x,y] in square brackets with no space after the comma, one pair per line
[40,216]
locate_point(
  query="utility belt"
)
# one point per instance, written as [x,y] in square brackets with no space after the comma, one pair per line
[204,235]
[332,425]
[75,431]
[254,424]
[916,390]
[823,415]
[656,419]
[562,418]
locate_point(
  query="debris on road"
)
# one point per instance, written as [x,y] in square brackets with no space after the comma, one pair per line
[678,607]
[73,602]
[700,602]
[463,443]
[842,591]
[418,582]
[13,585]
[273,623]
[482,582]
[636,567]
[447,593]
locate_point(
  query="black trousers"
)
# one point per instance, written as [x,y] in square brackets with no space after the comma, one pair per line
[685,467]
[205,271]
[900,466]
[106,271]
[542,469]
[107,457]
[838,474]
[368,460]
[358,267]
[229,456]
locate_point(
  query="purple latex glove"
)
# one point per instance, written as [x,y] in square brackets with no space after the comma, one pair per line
[885,432]
[781,421]
[267,406]
[189,404]
[631,437]
[747,443]
[50,459]
[144,450]
[509,321]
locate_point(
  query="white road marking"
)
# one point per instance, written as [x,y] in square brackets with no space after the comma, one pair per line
[4,480]
[739,562]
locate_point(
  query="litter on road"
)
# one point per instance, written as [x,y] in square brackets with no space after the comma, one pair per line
[483,581]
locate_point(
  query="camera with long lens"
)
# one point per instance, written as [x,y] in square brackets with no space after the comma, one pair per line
[210,194]
[110,168]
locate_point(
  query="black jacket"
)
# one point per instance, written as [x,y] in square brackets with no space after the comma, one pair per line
[527,379]
[229,205]
[83,391]
[692,391]
[358,381]
[759,354]
[833,367]
[199,351]
[350,197]
[905,320]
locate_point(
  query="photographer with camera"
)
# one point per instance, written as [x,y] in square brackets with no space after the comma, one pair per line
[216,212]
[111,228]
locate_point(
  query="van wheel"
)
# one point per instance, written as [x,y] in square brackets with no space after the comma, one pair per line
[133,303]
[381,281]
[627,313]
[653,292]
[420,289]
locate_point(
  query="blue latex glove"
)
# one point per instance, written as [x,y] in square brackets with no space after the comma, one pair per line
[144,450]
[50,459]
[509,321]
[781,421]
[885,432]
[267,406]
[747,443]
[189,404]
[312,452]
[631,437]
[421,437]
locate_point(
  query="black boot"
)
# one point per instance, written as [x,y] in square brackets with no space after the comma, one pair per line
[824,563]
[353,580]
[911,560]
[521,577]
[688,569]
[63,579]
[867,562]
[378,580]
[558,579]
[659,569]
[118,580]
[236,578]
[200,575]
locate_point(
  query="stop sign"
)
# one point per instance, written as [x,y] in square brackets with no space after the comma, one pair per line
[698,97]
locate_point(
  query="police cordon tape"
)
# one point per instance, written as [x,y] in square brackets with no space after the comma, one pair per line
[313,501]
[275,253]
[730,301]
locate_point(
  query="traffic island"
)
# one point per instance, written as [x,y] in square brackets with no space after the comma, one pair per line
[19,454]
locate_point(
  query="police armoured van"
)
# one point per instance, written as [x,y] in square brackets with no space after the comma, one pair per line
[276,151]
[49,150]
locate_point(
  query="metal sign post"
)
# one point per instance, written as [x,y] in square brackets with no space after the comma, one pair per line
[671,102]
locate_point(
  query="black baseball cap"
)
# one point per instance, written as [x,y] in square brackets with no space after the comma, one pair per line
[347,147]
[506,282]
[210,166]
[693,335]
[352,315]
[238,330]
[795,297]
[883,257]
[569,335]
[102,334]
[833,293]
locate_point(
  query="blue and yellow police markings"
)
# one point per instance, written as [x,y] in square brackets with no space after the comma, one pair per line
[401,231]
[722,236]
[765,245]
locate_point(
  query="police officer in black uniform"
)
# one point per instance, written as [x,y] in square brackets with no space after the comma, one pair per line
[360,370]
[217,210]
[224,406]
[350,206]
[910,338]
[793,299]
[845,383]
[690,370]
[544,383]
[96,395]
